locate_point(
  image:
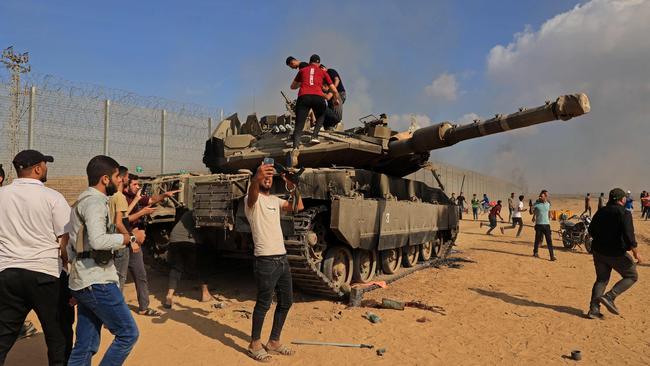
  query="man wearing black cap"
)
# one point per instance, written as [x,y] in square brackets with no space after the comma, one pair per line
[295,64]
[612,231]
[32,226]
[311,80]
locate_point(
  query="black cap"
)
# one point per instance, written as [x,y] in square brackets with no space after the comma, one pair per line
[616,194]
[314,58]
[289,59]
[29,158]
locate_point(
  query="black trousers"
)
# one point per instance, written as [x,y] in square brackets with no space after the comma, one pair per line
[304,103]
[21,291]
[182,257]
[67,313]
[516,221]
[624,265]
[272,275]
[543,231]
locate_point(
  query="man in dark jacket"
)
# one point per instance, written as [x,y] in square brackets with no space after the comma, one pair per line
[613,235]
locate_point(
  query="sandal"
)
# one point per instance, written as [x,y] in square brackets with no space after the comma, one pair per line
[150,312]
[282,350]
[260,355]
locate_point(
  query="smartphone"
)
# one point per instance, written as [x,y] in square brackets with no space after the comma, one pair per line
[269,161]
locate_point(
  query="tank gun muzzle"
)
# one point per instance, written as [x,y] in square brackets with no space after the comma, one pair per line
[445,134]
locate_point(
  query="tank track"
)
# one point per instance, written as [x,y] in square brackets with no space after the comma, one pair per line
[306,273]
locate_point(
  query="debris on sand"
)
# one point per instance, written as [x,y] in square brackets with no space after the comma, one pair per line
[420,305]
[392,304]
[372,317]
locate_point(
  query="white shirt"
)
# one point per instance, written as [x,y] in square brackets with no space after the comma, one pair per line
[264,218]
[517,212]
[32,217]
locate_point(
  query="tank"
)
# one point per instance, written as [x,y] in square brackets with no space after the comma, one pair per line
[362,220]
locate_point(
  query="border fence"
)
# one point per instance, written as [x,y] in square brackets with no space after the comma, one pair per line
[75,122]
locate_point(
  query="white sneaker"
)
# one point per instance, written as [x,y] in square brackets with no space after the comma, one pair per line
[315,140]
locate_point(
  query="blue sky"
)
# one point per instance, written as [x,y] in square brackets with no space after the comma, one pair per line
[436,60]
[202,51]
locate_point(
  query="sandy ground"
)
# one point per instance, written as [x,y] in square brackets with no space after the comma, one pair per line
[506,308]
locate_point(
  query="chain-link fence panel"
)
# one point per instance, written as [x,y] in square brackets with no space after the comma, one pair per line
[74,122]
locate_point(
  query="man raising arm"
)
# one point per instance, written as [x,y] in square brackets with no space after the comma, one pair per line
[272,273]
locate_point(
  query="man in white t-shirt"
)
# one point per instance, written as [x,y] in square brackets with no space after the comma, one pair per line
[272,273]
[516,217]
[32,223]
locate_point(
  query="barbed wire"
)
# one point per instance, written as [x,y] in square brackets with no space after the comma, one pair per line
[69,118]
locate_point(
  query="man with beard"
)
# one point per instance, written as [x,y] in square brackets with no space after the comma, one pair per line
[136,258]
[272,272]
[93,278]
[32,228]
[118,210]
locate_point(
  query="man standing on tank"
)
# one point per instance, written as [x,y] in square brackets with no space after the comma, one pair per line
[310,81]
[271,267]
[295,64]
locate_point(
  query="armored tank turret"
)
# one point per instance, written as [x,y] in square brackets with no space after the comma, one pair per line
[362,218]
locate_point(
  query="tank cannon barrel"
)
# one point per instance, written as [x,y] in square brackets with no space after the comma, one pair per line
[445,134]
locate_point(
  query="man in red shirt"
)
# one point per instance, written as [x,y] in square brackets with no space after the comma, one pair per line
[492,217]
[310,80]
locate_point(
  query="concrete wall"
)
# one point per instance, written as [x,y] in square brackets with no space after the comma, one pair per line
[452,178]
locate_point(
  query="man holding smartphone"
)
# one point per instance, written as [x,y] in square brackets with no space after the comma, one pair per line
[272,271]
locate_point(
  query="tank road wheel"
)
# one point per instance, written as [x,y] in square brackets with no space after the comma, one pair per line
[410,256]
[316,240]
[437,246]
[337,265]
[391,259]
[365,265]
[426,250]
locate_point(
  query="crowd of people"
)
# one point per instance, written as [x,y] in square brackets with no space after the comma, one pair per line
[55,258]
[611,230]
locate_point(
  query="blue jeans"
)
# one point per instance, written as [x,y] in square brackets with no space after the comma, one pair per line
[97,305]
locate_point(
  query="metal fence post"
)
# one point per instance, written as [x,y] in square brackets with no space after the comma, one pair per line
[163,120]
[107,112]
[30,123]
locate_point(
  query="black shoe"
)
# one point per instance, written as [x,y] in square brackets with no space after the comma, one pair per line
[553,259]
[595,314]
[608,302]
[535,255]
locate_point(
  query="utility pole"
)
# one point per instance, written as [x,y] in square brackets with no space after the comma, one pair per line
[17,64]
